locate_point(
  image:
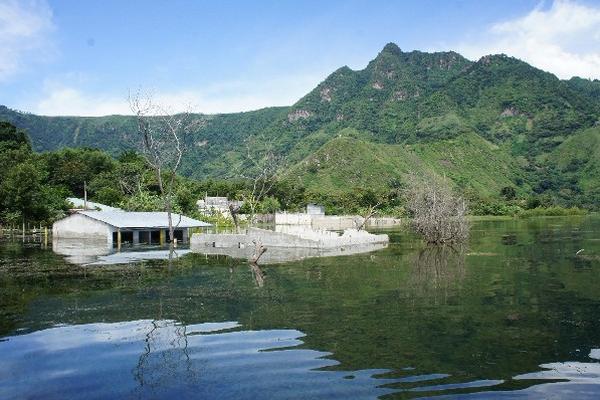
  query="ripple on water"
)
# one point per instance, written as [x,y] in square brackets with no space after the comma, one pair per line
[165,359]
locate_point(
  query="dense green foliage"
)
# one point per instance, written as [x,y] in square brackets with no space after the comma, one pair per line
[507,134]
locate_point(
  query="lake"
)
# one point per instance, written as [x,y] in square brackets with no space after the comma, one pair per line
[514,314]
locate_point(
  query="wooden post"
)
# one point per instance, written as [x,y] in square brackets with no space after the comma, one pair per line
[23,230]
[162,237]
[85,207]
[46,236]
[119,239]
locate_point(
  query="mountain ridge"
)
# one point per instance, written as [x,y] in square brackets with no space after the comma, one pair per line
[400,98]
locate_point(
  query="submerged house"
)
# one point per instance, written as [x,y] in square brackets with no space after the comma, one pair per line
[118,227]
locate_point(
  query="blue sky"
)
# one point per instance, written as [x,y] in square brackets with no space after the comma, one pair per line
[82,57]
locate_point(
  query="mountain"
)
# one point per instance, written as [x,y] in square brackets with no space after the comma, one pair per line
[487,124]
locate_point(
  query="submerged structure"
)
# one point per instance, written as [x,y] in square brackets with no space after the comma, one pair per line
[288,243]
[117,227]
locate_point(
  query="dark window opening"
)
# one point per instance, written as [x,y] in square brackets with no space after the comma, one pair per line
[155,237]
[127,237]
[178,234]
[144,237]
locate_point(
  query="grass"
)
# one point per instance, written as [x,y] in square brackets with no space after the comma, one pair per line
[551,212]
[345,163]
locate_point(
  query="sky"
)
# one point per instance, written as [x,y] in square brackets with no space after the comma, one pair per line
[72,57]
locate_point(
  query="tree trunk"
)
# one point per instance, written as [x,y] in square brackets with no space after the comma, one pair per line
[259,250]
[234,215]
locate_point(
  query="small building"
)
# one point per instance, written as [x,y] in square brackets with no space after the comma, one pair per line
[118,227]
[315,209]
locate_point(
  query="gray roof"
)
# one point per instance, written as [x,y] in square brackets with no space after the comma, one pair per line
[80,203]
[126,219]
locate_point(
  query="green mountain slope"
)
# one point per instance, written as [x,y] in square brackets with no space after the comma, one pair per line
[347,163]
[487,124]
[578,160]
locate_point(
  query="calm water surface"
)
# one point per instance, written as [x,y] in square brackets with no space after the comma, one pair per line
[515,314]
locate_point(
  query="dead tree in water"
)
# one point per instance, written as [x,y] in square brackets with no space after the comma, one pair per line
[234,210]
[371,212]
[437,213]
[162,139]
[259,168]
[259,275]
[259,250]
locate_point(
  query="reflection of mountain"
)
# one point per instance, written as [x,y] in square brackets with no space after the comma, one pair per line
[167,360]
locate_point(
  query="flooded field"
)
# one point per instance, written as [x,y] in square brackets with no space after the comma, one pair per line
[516,313]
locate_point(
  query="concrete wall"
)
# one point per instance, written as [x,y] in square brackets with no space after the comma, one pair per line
[307,238]
[293,219]
[331,222]
[80,226]
[276,255]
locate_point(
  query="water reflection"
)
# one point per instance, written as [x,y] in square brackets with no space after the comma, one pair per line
[81,251]
[258,274]
[166,359]
[482,321]
[436,270]
[94,252]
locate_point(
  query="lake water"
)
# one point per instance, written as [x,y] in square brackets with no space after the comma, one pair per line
[515,314]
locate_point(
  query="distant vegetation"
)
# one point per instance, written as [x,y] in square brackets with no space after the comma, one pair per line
[508,136]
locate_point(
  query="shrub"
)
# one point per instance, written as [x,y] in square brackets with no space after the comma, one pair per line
[438,214]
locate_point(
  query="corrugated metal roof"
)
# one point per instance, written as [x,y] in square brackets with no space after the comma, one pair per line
[80,203]
[126,219]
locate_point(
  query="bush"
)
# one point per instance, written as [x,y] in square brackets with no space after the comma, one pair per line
[269,205]
[437,213]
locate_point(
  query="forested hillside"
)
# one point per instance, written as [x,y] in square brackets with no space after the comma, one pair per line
[487,125]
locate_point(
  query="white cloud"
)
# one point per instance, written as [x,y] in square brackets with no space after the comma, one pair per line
[66,99]
[24,29]
[563,39]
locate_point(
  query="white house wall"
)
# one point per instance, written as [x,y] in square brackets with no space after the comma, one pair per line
[80,226]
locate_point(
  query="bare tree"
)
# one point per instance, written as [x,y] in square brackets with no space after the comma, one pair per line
[362,222]
[234,210]
[162,139]
[259,250]
[437,213]
[260,167]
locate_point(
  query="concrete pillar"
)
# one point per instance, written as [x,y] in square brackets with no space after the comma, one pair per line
[136,237]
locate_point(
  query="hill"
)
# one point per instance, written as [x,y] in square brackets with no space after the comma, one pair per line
[487,124]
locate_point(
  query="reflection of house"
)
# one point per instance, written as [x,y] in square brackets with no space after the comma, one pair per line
[100,252]
[81,204]
[212,205]
[124,227]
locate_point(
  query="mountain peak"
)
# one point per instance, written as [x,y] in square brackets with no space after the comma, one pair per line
[391,48]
